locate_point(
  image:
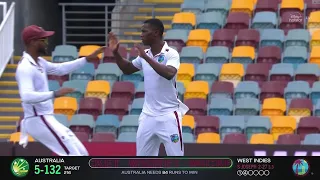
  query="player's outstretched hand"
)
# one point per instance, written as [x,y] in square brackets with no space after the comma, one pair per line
[94,56]
[141,51]
[113,42]
[63,91]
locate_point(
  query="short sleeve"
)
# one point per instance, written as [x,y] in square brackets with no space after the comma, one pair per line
[137,63]
[174,60]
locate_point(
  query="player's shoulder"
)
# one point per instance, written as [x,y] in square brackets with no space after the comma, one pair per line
[171,51]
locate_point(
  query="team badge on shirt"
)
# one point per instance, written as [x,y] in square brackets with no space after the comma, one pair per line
[174,138]
[161,58]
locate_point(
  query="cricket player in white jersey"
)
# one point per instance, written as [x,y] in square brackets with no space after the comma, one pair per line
[161,117]
[31,75]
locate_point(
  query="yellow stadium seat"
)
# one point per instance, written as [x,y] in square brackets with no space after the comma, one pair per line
[88,49]
[185,73]
[246,6]
[232,72]
[184,18]
[292,4]
[315,55]
[274,107]
[314,21]
[99,89]
[315,39]
[199,37]
[197,89]
[188,121]
[208,138]
[243,52]
[282,125]
[15,137]
[65,105]
[261,139]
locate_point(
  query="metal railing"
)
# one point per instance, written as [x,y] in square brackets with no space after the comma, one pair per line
[7,38]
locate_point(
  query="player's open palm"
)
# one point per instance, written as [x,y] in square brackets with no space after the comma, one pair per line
[63,91]
[113,42]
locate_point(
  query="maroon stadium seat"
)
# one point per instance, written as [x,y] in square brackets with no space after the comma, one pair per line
[206,124]
[108,55]
[117,106]
[82,136]
[237,21]
[287,23]
[222,87]
[301,103]
[103,137]
[133,53]
[235,138]
[311,6]
[295,11]
[310,78]
[197,106]
[308,125]
[267,5]
[269,54]
[257,72]
[224,37]
[178,43]
[289,139]
[271,89]
[60,79]
[123,89]
[91,105]
[248,37]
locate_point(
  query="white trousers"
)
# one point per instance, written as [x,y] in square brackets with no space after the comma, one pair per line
[154,130]
[54,135]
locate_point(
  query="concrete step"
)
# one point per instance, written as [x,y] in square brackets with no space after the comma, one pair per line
[7,129]
[9,88]
[9,118]
[11,109]
[138,26]
[5,136]
[9,94]
[8,83]
[10,100]
[10,105]
[11,68]
[16,59]
[5,113]
[159,10]
[8,77]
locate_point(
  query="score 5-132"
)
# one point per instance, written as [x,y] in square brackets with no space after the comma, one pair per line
[47,169]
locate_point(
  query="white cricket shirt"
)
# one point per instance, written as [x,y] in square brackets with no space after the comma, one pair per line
[161,95]
[33,83]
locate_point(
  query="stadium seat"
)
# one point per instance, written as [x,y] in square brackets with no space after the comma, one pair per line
[86,50]
[273,107]
[247,107]
[199,37]
[181,90]
[185,73]
[103,137]
[91,105]
[317,109]
[235,138]
[210,20]
[257,125]
[53,85]
[222,89]
[82,123]
[308,125]
[220,106]
[134,53]
[208,138]
[315,55]
[15,137]
[117,106]
[247,89]
[197,89]
[313,22]
[191,54]
[82,136]
[127,137]
[291,21]
[315,92]
[206,124]
[293,6]
[296,89]
[123,89]
[188,124]
[84,73]
[282,72]
[108,55]
[269,55]
[315,39]
[64,53]
[137,106]
[79,86]
[217,55]
[197,106]
[232,72]
[289,139]
[243,55]
[107,123]
[272,37]
[257,72]
[282,125]
[129,123]
[224,37]
[300,107]
[60,79]
[230,125]
[267,5]
[188,138]
[207,72]
[184,20]
[62,119]
[135,78]
[99,89]
[65,105]
[139,93]
[108,72]
[270,89]
[297,37]
[245,6]
[218,6]
[295,55]
[192,6]
[237,21]
[177,38]
[261,139]
[312,139]
[248,37]
[311,6]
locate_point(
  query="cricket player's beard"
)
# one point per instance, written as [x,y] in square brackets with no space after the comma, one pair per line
[42,51]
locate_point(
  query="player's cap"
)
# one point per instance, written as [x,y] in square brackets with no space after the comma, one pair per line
[34,32]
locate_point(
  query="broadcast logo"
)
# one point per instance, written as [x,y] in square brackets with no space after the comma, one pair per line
[20,167]
[300,167]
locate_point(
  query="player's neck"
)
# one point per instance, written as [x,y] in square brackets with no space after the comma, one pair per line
[157,47]
[33,54]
